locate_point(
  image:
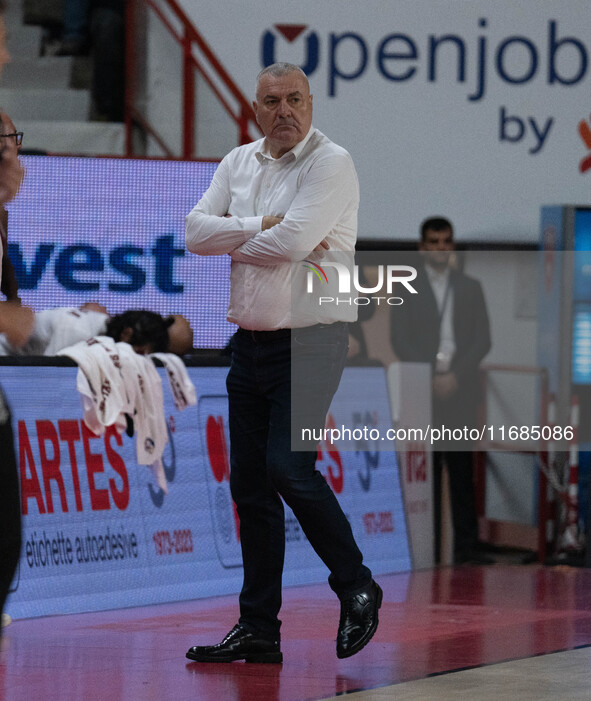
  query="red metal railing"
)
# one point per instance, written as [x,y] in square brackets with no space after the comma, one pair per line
[207,66]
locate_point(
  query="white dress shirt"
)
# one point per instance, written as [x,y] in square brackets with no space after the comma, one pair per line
[314,188]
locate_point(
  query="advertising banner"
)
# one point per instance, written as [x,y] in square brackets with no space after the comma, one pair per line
[98,533]
[113,231]
[444,106]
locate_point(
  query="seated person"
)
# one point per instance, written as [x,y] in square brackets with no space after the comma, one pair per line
[146,331]
[56,329]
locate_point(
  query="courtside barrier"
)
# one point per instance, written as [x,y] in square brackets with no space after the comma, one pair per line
[99,533]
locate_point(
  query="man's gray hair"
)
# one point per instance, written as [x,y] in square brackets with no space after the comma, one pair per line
[278,70]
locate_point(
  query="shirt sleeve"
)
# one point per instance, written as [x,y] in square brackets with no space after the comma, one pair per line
[327,190]
[208,231]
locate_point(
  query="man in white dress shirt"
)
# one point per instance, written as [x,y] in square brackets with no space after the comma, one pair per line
[270,206]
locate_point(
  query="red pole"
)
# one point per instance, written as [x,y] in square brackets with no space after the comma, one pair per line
[129,75]
[188,99]
[243,125]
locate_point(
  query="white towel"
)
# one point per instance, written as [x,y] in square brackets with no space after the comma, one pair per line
[183,390]
[113,381]
[99,381]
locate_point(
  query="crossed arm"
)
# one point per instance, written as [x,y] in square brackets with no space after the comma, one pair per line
[327,189]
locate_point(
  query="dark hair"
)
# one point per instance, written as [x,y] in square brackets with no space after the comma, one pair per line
[3,6]
[148,328]
[435,224]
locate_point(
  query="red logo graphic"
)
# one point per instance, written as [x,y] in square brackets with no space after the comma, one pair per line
[217,452]
[329,461]
[416,462]
[57,463]
[585,132]
[380,522]
[290,31]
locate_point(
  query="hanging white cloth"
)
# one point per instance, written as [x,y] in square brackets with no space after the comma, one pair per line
[183,390]
[114,382]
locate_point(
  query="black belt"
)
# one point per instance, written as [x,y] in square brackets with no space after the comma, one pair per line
[279,334]
[265,336]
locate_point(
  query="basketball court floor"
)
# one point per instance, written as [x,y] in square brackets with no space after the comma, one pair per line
[480,633]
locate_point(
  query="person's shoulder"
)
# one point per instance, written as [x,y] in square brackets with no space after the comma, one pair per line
[322,144]
[244,151]
[465,280]
[321,151]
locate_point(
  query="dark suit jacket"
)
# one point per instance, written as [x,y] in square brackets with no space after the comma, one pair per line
[414,333]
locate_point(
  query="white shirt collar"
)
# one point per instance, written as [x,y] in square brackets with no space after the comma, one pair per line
[436,277]
[265,155]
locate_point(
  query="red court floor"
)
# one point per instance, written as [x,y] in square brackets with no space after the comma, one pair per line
[431,622]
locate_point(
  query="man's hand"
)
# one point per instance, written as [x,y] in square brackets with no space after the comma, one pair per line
[16,322]
[321,247]
[268,222]
[445,385]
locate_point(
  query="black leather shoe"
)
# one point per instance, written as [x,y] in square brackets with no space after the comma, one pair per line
[239,644]
[359,620]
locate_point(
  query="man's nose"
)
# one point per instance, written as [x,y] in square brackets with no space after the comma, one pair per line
[284,108]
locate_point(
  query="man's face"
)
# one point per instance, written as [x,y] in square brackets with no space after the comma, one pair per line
[4,55]
[8,147]
[8,128]
[283,110]
[437,247]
